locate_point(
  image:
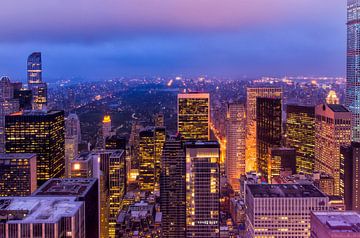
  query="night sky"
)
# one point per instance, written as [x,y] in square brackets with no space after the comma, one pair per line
[100,39]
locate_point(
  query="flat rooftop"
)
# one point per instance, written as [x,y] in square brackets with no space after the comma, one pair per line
[202,144]
[284,190]
[338,108]
[348,221]
[65,187]
[35,113]
[6,156]
[37,209]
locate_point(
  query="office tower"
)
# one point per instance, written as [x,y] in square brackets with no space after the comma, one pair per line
[151,143]
[85,190]
[332,130]
[334,224]
[172,189]
[282,210]
[268,130]
[235,144]
[71,151]
[139,220]
[252,94]
[115,142]
[159,120]
[106,127]
[88,166]
[41,133]
[113,166]
[352,78]
[134,144]
[332,98]
[350,176]
[17,174]
[300,134]
[202,189]
[72,126]
[194,116]
[35,83]
[25,98]
[54,217]
[281,159]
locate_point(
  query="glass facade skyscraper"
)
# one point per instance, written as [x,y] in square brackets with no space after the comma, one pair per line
[353,66]
[35,83]
[41,133]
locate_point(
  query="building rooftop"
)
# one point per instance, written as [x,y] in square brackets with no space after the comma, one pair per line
[284,190]
[4,156]
[202,144]
[348,221]
[337,108]
[35,113]
[66,187]
[37,209]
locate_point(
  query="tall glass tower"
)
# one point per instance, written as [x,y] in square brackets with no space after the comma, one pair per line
[353,66]
[35,83]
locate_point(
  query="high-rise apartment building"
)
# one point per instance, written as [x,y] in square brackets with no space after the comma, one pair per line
[71,151]
[353,66]
[350,175]
[17,174]
[54,217]
[334,224]
[235,144]
[173,189]
[106,127]
[300,134]
[252,94]
[332,130]
[268,130]
[35,82]
[202,189]
[151,144]
[194,116]
[41,133]
[282,210]
[85,190]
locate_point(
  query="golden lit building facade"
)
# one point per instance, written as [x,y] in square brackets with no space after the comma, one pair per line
[300,134]
[332,130]
[194,116]
[41,133]
[17,174]
[235,144]
[151,144]
[202,189]
[251,94]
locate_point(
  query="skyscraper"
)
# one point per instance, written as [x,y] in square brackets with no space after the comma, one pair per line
[235,144]
[268,130]
[353,66]
[194,116]
[17,174]
[151,144]
[84,189]
[54,217]
[252,94]
[281,159]
[300,134]
[72,126]
[172,189]
[350,176]
[35,83]
[202,189]
[106,127]
[332,130]
[282,210]
[41,133]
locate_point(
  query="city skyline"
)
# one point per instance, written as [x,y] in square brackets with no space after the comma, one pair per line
[137,38]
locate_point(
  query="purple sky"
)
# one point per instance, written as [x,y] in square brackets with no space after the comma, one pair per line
[107,38]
